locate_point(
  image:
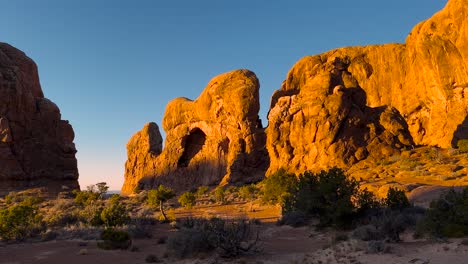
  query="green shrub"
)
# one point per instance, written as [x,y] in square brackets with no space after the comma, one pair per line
[114,214]
[462,145]
[24,198]
[328,195]
[187,199]
[396,199]
[91,214]
[220,195]
[201,191]
[84,198]
[278,186]
[19,222]
[113,239]
[447,216]
[248,192]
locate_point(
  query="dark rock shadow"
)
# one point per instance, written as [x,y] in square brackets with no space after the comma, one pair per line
[461,132]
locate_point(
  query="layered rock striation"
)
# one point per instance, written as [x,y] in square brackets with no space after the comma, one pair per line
[342,106]
[36,146]
[216,139]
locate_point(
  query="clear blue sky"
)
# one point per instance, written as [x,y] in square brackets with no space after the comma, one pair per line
[112,66]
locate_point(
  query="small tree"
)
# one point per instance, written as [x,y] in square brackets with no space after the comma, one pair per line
[102,189]
[396,199]
[220,196]
[187,199]
[159,196]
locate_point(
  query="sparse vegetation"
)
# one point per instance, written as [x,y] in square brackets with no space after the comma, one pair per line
[447,216]
[202,191]
[231,237]
[462,145]
[187,199]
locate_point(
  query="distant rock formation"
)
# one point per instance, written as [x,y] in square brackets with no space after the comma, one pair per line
[347,104]
[36,146]
[216,139]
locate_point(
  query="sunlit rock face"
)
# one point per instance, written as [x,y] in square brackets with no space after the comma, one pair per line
[348,104]
[36,146]
[216,139]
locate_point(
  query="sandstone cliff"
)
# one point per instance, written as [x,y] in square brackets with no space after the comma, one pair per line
[339,107]
[216,139]
[36,146]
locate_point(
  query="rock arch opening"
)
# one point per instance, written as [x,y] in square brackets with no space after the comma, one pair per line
[192,144]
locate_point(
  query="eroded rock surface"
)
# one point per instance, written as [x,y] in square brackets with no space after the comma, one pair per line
[216,139]
[339,107]
[36,146]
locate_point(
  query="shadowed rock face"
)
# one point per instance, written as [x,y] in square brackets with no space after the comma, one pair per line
[347,104]
[216,139]
[36,146]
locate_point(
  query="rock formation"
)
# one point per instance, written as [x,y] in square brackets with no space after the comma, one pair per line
[36,146]
[344,105]
[216,139]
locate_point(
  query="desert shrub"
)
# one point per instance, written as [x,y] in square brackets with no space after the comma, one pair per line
[114,239]
[24,198]
[446,216]
[328,195]
[91,214]
[366,233]
[84,198]
[294,219]
[231,237]
[220,195]
[278,186]
[377,246]
[201,191]
[152,259]
[396,199]
[391,223]
[248,192]
[114,214]
[19,222]
[157,198]
[232,189]
[462,145]
[187,199]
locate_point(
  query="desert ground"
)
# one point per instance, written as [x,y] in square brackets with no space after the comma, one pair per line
[279,244]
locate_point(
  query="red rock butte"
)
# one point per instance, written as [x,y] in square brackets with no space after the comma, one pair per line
[333,109]
[36,146]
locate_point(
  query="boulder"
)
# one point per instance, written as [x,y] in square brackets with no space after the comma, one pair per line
[36,146]
[217,139]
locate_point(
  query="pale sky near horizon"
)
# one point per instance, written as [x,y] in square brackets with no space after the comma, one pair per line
[111,66]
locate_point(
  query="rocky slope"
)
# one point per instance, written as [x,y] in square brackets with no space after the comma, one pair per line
[342,106]
[36,146]
[216,139]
